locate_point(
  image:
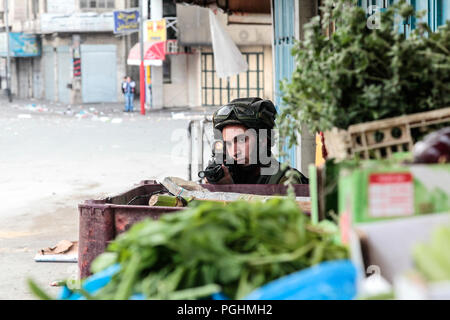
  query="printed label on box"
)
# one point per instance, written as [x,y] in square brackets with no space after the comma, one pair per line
[391,194]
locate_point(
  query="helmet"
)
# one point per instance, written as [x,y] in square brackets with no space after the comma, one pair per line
[254,113]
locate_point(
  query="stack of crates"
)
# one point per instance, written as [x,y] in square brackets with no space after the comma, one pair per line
[380,139]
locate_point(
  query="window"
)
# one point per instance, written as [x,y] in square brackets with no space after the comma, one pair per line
[167,76]
[97,4]
[216,91]
[169,8]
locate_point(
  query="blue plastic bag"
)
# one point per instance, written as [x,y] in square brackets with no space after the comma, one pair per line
[92,284]
[333,280]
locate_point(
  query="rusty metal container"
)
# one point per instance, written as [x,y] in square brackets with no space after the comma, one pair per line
[102,220]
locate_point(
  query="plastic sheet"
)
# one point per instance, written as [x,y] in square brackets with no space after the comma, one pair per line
[227,57]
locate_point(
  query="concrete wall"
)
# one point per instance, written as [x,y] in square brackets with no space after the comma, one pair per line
[194,79]
[193,22]
[176,93]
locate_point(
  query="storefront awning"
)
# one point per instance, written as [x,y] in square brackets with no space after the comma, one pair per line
[154,54]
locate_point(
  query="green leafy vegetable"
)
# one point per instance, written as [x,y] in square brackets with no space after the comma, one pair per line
[38,292]
[212,248]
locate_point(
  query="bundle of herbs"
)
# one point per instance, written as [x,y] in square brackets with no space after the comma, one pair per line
[211,248]
[358,74]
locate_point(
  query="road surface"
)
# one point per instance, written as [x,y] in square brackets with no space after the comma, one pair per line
[52,158]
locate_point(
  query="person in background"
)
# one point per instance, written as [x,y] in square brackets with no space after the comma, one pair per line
[128,88]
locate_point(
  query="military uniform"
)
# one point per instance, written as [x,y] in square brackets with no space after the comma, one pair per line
[280,177]
[247,177]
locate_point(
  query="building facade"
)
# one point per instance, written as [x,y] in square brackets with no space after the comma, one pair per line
[200,85]
[80,60]
[26,76]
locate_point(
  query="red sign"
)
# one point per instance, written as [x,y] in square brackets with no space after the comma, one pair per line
[390,177]
[391,194]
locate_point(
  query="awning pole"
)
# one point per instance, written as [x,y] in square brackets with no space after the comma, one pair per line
[142,69]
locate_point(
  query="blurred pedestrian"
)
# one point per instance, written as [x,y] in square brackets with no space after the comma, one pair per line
[128,88]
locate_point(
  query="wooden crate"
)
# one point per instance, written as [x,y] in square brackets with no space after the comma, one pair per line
[381,138]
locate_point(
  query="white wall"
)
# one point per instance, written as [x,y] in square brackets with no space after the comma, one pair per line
[194,27]
[194,79]
[176,93]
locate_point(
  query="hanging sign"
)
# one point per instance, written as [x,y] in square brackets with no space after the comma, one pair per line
[126,21]
[155,30]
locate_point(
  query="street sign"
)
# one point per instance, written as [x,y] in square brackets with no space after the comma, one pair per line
[126,21]
[155,30]
[20,45]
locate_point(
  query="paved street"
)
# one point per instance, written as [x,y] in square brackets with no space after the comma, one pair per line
[53,158]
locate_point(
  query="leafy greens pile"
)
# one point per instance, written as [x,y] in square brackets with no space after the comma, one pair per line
[213,248]
[359,74]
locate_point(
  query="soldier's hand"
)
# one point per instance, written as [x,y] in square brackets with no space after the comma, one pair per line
[227,179]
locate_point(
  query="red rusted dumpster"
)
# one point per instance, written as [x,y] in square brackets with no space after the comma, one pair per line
[102,220]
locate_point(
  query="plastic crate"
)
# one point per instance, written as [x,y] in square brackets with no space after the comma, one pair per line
[102,220]
[380,139]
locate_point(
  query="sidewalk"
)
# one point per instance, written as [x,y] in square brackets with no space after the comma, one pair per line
[98,109]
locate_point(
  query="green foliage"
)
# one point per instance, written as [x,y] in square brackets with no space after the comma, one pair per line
[213,248]
[358,74]
[37,291]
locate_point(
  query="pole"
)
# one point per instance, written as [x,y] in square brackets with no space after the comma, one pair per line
[8,57]
[142,69]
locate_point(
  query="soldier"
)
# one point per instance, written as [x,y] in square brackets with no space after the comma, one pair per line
[245,127]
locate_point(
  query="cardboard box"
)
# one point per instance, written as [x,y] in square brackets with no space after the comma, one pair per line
[387,245]
[385,248]
[376,191]
[413,287]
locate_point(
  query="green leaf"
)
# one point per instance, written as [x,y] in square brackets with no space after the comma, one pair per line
[37,291]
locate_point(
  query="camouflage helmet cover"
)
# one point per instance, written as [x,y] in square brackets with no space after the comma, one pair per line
[253,113]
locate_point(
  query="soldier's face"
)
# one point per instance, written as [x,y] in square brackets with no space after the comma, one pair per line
[241,144]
